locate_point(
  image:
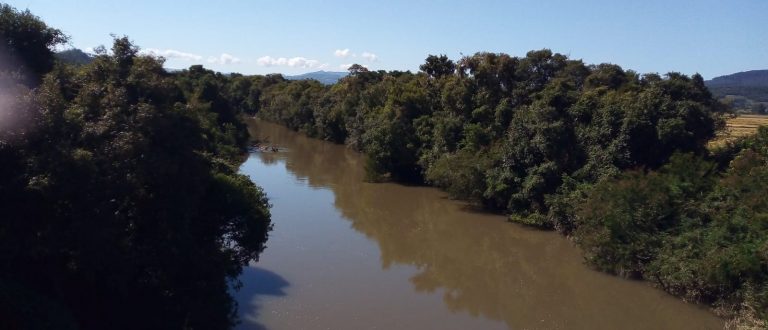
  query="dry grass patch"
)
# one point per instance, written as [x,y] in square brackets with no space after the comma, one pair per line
[739,126]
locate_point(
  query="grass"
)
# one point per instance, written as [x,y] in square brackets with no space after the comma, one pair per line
[738,126]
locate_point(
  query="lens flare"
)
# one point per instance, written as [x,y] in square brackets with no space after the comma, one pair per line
[15,109]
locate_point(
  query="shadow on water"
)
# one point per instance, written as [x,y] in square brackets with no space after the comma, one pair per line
[257,284]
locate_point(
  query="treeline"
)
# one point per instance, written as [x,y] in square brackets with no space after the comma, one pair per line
[520,135]
[616,159]
[121,202]
[755,93]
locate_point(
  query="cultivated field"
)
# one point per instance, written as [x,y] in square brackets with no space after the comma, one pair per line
[739,126]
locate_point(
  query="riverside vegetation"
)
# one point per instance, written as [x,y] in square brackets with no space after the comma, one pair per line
[121,203]
[129,168]
[614,159]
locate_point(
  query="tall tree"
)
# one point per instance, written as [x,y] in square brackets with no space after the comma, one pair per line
[438,66]
[26,44]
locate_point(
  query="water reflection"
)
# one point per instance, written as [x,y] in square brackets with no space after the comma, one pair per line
[481,265]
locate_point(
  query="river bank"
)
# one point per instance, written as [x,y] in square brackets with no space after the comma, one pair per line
[348,254]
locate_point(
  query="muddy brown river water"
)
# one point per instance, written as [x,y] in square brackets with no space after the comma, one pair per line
[346,254]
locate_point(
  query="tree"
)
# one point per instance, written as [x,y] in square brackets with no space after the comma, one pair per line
[438,66]
[118,206]
[26,44]
[356,69]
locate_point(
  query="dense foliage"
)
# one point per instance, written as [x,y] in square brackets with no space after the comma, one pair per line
[26,50]
[522,135]
[120,195]
[121,202]
[758,94]
[611,157]
[697,232]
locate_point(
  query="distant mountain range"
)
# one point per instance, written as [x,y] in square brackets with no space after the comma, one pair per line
[745,91]
[325,77]
[754,78]
[74,56]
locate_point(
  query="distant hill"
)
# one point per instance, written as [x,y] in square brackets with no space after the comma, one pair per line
[744,91]
[754,78]
[325,77]
[74,56]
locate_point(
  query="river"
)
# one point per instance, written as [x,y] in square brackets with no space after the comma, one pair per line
[346,254]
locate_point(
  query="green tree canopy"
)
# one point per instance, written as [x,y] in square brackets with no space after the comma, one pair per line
[26,44]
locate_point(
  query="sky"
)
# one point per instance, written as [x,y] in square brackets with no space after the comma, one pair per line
[710,37]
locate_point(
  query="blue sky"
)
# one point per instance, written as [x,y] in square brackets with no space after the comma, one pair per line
[712,37]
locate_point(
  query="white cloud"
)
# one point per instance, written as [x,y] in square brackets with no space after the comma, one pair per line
[293,62]
[169,54]
[371,57]
[224,58]
[343,53]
